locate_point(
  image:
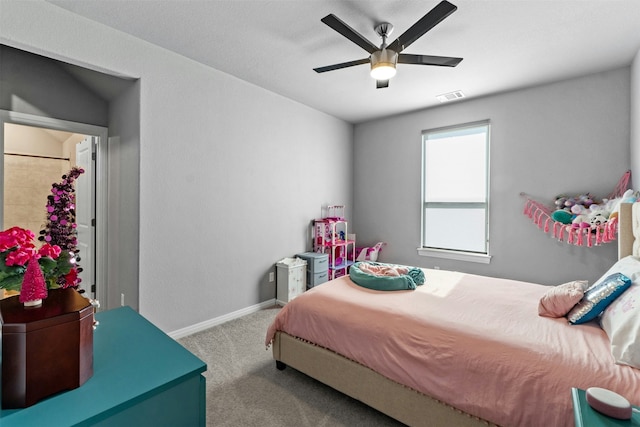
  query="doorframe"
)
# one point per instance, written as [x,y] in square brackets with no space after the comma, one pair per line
[100,176]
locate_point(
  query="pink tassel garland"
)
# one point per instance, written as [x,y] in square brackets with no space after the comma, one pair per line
[540,215]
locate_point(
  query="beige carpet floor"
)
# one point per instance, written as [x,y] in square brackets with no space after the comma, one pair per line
[245,389]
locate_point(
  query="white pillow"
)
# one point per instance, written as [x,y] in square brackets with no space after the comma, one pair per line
[629,266]
[621,320]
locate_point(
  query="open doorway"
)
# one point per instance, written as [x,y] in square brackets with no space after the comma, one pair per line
[37,153]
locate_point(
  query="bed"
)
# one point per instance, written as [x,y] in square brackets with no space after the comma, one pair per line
[459,350]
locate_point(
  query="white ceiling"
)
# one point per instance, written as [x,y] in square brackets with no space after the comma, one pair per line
[276,44]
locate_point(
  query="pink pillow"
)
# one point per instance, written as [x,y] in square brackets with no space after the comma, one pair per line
[559,300]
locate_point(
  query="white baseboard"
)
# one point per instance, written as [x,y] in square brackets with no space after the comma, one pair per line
[181,333]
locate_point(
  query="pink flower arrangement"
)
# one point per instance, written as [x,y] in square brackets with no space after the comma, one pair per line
[17,248]
[21,240]
[58,256]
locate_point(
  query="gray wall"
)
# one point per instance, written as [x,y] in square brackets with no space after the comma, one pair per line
[567,137]
[34,85]
[123,204]
[230,174]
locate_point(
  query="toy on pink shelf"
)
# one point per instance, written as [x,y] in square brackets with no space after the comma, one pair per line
[370,253]
[335,212]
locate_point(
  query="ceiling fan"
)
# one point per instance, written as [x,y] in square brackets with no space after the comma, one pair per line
[383,60]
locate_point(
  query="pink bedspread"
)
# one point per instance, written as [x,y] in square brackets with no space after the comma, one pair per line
[474,342]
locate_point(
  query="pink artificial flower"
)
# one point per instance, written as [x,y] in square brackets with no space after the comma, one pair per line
[50,208]
[6,242]
[15,237]
[53,217]
[21,256]
[27,235]
[51,251]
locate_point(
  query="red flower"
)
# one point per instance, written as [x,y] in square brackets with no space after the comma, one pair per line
[71,278]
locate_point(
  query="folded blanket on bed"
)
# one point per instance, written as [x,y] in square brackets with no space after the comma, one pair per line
[386,277]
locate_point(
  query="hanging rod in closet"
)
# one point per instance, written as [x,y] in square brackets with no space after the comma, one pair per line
[37,157]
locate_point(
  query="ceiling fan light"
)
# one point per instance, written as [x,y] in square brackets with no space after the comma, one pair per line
[383,64]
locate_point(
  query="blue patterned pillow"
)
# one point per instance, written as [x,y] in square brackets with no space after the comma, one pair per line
[598,297]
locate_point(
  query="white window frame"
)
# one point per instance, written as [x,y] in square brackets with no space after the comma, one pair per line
[450,253]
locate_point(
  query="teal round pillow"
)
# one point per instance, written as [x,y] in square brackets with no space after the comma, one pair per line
[408,281]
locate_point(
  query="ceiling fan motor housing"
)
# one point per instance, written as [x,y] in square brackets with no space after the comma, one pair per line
[383,64]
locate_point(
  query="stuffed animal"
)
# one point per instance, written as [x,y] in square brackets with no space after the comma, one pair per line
[599,213]
[563,216]
[628,197]
[597,220]
[572,210]
[369,253]
[582,212]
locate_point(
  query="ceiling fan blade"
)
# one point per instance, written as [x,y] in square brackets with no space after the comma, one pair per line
[427,22]
[442,61]
[339,25]
[381,84]
[341,65]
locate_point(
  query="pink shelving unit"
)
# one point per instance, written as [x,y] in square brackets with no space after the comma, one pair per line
[331,236]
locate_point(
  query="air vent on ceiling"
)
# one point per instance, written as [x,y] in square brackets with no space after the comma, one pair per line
[451,96]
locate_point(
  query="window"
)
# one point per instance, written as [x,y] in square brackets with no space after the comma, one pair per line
[455,183]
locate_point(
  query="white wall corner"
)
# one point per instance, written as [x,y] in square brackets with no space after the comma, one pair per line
[634,148]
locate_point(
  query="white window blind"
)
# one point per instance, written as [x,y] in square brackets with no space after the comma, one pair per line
[455,213]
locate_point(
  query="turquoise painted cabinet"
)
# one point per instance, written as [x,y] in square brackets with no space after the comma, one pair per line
[585,416]
[141,377]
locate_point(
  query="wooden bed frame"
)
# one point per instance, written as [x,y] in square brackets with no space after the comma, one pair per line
[389,397]
[627,215]
[359,382]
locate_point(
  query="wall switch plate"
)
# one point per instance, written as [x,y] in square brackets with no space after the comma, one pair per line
[122,300]
[271,277]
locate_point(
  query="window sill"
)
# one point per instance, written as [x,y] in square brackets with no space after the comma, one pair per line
[455,255]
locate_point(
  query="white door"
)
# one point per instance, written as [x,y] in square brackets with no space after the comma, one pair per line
[85,213]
